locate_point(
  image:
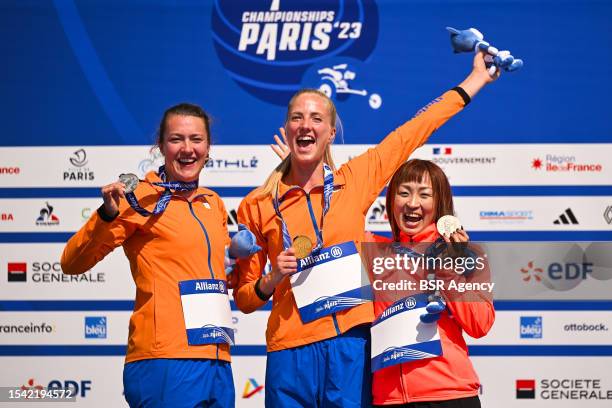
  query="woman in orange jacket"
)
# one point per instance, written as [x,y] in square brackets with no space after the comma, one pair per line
[310,217]
[174,234]
[419,194]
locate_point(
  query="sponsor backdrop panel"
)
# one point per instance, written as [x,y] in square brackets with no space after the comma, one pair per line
[248,165]
[97,381]
[569,382]
[548,328]
[548,213]
[535,381]
[111,328]
[103,328]
[33,272]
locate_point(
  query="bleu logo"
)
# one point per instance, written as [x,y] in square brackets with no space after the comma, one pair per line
[531,327]
[267,46]
[95,327]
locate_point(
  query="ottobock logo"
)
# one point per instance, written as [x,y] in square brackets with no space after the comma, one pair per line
[531,327]
[272,48]
[95,327]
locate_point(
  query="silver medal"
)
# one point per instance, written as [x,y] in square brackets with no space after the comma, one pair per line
[448,224]
[130,180]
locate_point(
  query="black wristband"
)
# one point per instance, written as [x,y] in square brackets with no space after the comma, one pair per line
[464,95]
[260,294]
[104,216]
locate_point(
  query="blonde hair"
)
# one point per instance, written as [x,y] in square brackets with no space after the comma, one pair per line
[271,183]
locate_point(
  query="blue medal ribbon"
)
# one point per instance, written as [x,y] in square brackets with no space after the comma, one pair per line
[432,251]
[328,189]
[163,201]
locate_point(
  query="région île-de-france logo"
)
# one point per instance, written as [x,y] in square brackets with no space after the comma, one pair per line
[251,388]
[273,48]
[46,216]
[557,163]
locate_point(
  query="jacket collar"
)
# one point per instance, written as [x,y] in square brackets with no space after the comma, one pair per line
[429,234]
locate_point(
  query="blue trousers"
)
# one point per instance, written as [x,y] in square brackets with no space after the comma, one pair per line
[180,383]
[328,373]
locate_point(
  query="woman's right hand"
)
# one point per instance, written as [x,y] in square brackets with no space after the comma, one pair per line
[112,194]
[286,264]
[479,77]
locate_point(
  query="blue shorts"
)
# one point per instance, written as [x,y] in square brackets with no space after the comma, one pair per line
[180,383]
[328,373]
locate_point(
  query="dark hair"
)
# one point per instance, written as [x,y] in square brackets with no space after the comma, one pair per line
[414,170]
[183,109]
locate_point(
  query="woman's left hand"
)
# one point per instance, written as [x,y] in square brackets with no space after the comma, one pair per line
[458,236]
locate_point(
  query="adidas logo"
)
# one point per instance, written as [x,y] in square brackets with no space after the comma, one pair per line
[232,218]
[567,218]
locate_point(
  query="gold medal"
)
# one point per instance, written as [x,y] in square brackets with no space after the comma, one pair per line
[302,245]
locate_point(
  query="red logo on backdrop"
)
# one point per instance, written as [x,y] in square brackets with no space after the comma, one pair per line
[10,170]
[6,217]
[31,385]
[17,271]
[525,389]
[557,164]
[531,271]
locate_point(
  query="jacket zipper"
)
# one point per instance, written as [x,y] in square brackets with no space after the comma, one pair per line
[212,273]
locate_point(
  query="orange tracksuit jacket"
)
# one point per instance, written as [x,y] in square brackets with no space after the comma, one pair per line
[449,376]
[163,250]
[356,186]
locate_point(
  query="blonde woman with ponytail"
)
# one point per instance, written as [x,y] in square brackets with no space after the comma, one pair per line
[309,217]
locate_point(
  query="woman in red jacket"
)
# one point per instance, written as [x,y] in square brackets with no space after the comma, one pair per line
[418,195]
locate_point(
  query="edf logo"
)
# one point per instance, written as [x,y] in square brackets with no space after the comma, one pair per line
[531,327]
[569,270]
[95,327]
